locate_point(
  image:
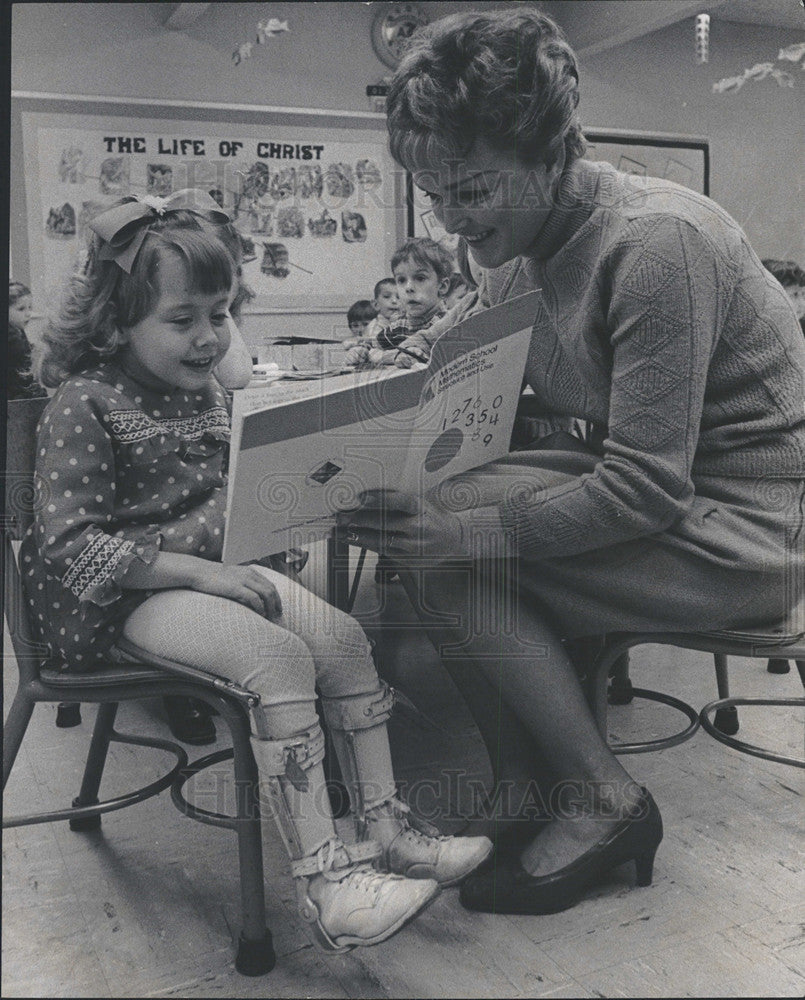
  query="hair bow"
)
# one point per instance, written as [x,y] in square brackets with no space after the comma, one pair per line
[122,230]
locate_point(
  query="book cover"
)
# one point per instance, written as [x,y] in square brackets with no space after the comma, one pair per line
[301,455]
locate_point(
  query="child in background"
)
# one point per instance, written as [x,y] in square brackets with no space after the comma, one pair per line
[456,290]
[133,353]
[359,317]
[22,384]
[792,278]
[235,368]
[421,269]
[387,304]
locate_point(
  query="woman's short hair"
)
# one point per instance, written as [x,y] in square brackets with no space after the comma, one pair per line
[427,253]
[506,76]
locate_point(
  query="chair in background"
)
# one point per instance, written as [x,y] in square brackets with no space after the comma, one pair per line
[612,663]
[146,676]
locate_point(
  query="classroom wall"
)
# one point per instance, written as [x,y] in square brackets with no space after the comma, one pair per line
[326,61]
[655,84]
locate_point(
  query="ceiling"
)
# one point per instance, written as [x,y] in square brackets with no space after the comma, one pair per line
[594,26]
[773,13]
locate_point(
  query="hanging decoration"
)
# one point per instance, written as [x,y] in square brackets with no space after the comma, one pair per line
[265,30]
[242,52]
[702,38]
[764,70]
[269,29]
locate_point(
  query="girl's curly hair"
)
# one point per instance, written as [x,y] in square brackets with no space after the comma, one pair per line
[507,76]
[101,298]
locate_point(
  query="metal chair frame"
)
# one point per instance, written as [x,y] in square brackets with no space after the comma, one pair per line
[146,676]
[613,663]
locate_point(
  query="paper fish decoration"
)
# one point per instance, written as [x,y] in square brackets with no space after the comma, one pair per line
[268,29]
[792,53]
[759,71]
[242,52]
[783,77]
[728,85]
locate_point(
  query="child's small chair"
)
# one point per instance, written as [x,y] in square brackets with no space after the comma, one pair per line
[146,676]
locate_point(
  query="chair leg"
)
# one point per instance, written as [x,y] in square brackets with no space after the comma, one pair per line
[255,949]
[777,665]
[726,719]
[14,731]
[93,770]
[620,685]
[68,714]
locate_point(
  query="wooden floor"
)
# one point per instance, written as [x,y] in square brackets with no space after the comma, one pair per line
[149,907]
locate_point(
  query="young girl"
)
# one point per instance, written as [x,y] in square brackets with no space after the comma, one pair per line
[132,468]
[21,382]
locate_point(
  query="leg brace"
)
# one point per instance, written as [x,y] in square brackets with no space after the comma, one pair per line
[285,765]
[357,724]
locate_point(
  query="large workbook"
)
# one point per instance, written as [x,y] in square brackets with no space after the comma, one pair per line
[300,456]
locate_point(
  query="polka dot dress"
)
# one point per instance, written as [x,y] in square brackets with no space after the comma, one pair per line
[123,471]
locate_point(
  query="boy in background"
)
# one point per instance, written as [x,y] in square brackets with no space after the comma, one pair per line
[792,278]
[421,269]
[360,316]
[387,306]
[456,290]
[385,310]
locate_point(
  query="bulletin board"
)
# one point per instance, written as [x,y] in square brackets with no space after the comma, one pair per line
[679,158]
[315,195]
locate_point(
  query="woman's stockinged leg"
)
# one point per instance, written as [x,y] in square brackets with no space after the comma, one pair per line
[512,644]
[520,777]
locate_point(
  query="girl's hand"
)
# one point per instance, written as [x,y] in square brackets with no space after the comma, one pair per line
[404,525]
[244,584]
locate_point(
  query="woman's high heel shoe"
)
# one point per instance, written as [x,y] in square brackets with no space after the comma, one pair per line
[508,888]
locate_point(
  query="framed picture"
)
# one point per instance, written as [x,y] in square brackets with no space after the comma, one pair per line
[629,166]
[684,159]
[315,196]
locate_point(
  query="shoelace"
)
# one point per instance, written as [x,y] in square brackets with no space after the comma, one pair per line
[403,813]
[362,876]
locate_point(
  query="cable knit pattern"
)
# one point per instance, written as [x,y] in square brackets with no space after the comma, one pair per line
[659,322]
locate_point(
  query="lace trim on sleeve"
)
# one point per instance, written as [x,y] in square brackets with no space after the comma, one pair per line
[95,573]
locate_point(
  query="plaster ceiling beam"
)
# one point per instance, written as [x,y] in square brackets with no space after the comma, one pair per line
[616,23]
[185,15]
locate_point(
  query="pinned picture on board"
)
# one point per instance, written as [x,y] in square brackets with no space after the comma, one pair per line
[630,166]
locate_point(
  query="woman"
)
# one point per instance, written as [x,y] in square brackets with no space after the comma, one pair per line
[661,328]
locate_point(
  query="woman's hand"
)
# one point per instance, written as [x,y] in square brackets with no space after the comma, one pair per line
[244,584]
[403,525]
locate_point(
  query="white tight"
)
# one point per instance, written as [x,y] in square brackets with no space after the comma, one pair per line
[311,645]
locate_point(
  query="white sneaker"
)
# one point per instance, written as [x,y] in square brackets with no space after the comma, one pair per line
[417,850]
[356,904]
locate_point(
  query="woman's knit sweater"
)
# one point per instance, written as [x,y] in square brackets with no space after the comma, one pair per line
[660,323]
